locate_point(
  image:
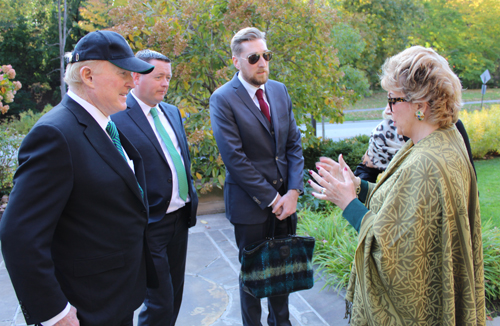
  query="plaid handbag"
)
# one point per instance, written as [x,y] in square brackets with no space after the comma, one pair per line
[277,266]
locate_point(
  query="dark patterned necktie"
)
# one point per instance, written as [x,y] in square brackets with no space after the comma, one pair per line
[263,105]
[115,138]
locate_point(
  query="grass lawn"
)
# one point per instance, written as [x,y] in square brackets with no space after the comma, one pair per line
[488,177]
[379,100]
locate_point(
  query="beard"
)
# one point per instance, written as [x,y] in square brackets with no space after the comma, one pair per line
[258,80]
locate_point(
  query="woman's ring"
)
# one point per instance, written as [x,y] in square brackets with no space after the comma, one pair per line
[323,191]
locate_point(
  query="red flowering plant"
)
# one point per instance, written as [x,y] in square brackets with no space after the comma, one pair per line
[8,87]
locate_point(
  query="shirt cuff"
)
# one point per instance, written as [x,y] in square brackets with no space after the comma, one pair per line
[52,321]
[272,202]
[354,213]
[364,191]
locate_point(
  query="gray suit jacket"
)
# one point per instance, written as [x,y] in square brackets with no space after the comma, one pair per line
[259,157]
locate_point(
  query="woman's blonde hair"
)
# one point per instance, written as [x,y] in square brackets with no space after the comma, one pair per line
[425,76]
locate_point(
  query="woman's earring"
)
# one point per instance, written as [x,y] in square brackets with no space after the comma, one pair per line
[420,115]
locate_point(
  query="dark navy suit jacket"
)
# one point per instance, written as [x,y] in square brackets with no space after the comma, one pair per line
[134,124]
[74,229]
[259,157]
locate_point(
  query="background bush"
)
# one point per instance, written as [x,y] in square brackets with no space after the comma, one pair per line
[10,141]
[336,242]
[491,253]
[483,129]
[352,149]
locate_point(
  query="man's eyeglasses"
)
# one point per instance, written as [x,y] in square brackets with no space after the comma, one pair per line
[393,100]
[255,57]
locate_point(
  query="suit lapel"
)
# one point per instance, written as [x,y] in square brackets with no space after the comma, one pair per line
[274,110]
[104,147]
[243,95]
[137,115]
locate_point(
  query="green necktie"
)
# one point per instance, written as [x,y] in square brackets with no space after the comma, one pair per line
[176,158]
[115,138]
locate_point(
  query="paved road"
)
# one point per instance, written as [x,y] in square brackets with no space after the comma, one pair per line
[350,129]
[347,129]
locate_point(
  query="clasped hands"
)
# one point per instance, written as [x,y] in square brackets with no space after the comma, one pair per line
[335,182]
[286,205]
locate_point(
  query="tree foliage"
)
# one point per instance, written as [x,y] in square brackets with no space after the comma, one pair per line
[196,36]
[385,26]
[467,33]
[29,42]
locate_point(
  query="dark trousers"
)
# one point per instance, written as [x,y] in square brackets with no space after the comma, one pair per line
[168,240]
[250,306]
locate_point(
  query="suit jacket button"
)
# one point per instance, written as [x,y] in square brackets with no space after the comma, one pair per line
[169,180]
[281,179]
[272,132]
[276,158]
[275,182]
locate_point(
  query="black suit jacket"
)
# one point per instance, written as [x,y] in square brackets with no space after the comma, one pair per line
[134,124]
[260,158]
[74,229]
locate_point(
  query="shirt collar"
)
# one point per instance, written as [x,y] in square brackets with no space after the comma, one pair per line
[98,116]
[145,108]
[251,89]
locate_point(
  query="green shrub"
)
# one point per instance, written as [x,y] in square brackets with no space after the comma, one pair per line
[27,120]
[9,145]
[336,242]
[483,129]
[491,254]
[352,149]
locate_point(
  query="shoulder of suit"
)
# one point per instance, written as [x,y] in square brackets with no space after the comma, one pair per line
[271,83]
[60,117]
[168,107]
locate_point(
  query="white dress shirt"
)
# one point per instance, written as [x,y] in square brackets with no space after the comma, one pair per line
[176,201]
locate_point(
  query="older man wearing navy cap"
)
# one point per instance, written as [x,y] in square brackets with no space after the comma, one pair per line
[73,235]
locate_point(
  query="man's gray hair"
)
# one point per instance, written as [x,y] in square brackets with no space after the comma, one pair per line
[244,35]
[72,75]
[148,55]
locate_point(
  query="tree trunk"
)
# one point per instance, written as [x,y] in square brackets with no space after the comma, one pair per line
[62,43]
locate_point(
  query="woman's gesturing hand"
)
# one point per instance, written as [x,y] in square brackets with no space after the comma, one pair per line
[328,187]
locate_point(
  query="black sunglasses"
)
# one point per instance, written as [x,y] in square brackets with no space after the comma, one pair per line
[255,57]
[394,100]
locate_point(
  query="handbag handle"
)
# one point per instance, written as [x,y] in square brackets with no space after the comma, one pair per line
[272,227]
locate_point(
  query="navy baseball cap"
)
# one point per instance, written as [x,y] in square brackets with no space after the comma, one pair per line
[109,46]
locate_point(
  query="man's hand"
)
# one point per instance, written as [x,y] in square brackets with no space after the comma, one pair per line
[70,319]
[286,205]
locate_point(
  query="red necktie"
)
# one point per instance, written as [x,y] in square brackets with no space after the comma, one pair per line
[263,105]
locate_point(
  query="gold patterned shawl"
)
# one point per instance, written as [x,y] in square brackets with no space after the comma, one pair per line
[419,259]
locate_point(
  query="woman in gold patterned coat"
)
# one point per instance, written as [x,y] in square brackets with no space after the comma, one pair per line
[419,258]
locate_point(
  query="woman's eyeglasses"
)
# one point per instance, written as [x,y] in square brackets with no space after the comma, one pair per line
[393,100]
[255,57]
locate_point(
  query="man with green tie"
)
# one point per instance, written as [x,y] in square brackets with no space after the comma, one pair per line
[155,128]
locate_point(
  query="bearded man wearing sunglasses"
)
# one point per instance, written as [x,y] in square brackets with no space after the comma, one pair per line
[259,141]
